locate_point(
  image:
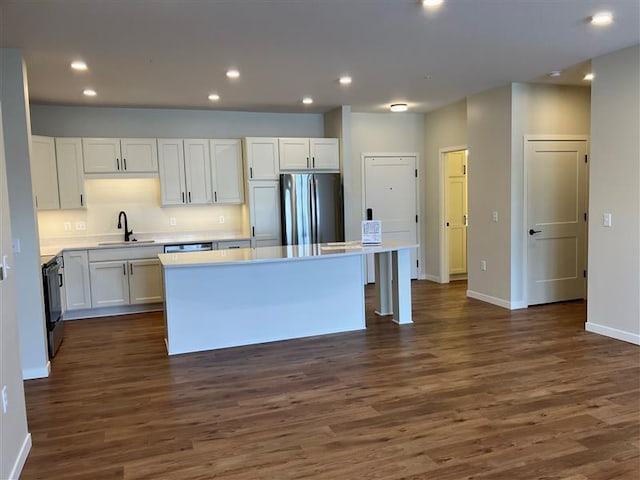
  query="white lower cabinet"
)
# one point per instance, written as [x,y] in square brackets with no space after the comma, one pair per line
[264,208]
[120,282]
[76,280]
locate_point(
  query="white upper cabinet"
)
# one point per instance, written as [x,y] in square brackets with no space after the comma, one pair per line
[120,156]
[172,175]
[44,173]
[139,155]
[325,153]
[70,172]
[264,208]
[197,171]
[309,154]
[226,171]
[261,156]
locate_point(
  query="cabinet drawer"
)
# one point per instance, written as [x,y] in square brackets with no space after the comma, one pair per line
[124,253]
[226,244]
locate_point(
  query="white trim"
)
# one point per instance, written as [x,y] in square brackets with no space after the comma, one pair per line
[423,276]
[613,333]
[495,300]
[22,458]
[525,214]
[416,156]
[442,200]
[37,372]
[87,313]
[432,278]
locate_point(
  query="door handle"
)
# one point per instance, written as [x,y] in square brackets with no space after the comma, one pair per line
[60,281]
[533,232]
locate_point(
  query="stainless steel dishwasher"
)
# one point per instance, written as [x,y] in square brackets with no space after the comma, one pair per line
[188,247]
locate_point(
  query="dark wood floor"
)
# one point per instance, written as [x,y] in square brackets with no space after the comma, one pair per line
[468,391]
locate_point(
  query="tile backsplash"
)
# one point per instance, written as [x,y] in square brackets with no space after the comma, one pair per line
[140,199]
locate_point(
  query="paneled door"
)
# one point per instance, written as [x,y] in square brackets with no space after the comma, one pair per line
[456,221]
[390,194]
[556,220]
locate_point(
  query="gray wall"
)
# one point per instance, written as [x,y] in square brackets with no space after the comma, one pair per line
[445,127]
[614,253]
[17,133]
[337,124]
[159,122]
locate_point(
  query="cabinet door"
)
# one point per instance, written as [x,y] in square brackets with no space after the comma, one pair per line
[231,244]
[145,281]
[264,207]
[197,166]
[226,171]
[70,172]
[44,173]
[172,175]
[139,155]
[261,155]
[101,155]
[109,284]
[325,154]
[294,153]
[76,280]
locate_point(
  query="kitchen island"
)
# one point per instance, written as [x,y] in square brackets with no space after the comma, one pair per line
[227,298]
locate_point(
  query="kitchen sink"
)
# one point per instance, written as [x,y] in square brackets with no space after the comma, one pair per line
[133,242]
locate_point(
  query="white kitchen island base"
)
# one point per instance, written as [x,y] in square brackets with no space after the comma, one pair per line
[222,299]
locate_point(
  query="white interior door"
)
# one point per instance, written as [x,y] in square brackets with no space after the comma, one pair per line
[556,220]
[456,204]
[390,192]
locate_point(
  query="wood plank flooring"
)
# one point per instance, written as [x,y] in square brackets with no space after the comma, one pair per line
[469,391]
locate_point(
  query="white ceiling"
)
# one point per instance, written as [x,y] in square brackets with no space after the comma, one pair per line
[172,53]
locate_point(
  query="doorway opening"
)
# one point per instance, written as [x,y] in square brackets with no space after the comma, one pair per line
[454,214]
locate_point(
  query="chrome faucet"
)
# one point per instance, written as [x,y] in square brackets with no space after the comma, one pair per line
[127,232]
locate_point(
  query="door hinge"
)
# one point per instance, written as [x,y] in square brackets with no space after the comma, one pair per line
[585,216]
[585,158]
[464,169]
[584,273]
[417,263]
[416,218]
[416,170]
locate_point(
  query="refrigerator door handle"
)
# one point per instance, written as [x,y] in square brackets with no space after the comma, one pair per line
[312,213]
[316,217]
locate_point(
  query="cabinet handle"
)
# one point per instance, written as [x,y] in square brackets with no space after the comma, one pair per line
[124,269]
[182,193]
[81,200]
[124,161]
[253,231]
[250,172]
[215,197]
[189,197]
[117,164]
[307,162]
[130,269]
[36,201]
[314,161]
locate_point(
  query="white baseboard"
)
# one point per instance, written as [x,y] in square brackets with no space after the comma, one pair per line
[496,301]
[38,372]
[432,278]
[613,333]
[22,457]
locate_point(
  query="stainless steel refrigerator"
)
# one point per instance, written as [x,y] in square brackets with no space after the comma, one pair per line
[312,210]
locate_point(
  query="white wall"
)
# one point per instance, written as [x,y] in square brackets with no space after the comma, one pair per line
[15,440]
[379,133]
[161,122]
[445,127]
[538,110]
[30,308]
[489,184]
[614,253]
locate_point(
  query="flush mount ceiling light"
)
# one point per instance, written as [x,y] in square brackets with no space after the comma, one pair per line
[79,65]
[588,77]
[233,73]
[602,18]
[431,3]
[399,107]
[307,100]
[555,73]
[346,80]
[214,97]
[89,92]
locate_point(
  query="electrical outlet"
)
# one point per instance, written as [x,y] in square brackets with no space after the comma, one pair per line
[15,244]
[67,226]
[483,265]
[172,221]
[494,216]
[81,226]
[221,218]
[5,399]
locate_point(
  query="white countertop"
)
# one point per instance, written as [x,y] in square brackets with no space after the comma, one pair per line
[276,254]
[56,246]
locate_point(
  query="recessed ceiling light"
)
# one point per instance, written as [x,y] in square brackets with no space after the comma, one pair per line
[399,107]
[555,73]
[307,100]
[214,97]
[588,76]
[431,3]
[346,80]
[233,73]
[79,65]
[89,92]
[602,18]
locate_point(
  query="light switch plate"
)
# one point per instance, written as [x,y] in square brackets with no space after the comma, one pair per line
[172,221]
[606,219]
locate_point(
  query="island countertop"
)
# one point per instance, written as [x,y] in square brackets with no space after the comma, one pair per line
[277,254]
